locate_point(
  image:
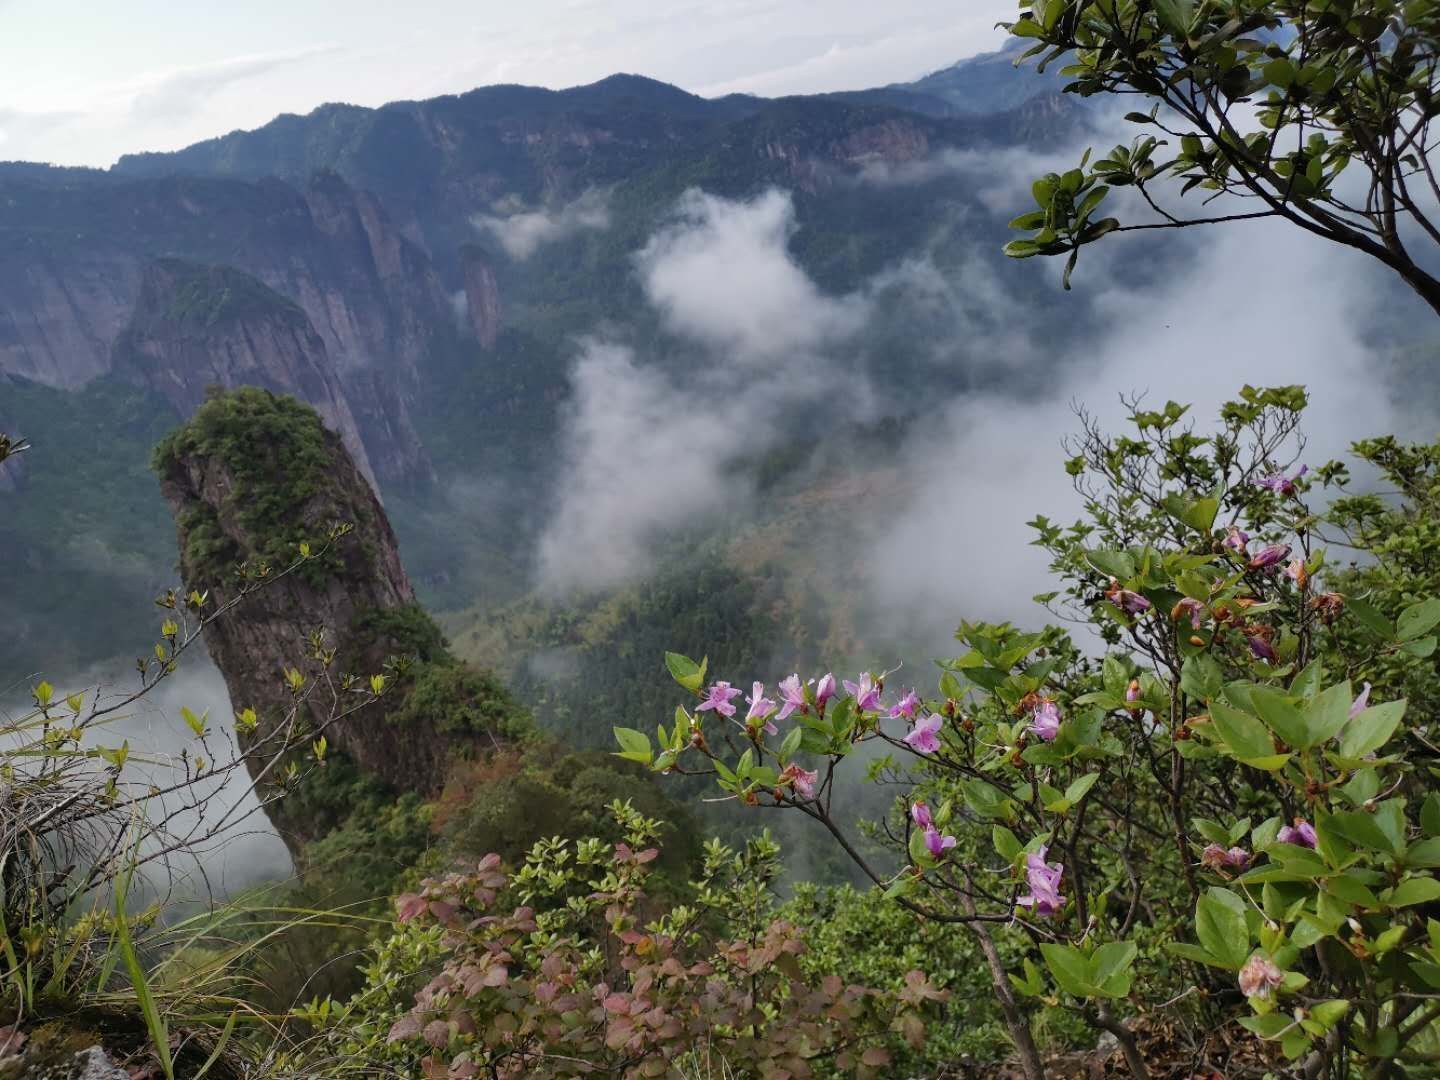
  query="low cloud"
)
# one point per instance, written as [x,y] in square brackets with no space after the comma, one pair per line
[247,853]
[652,444]
[721,273]
[961,549]
[522,232]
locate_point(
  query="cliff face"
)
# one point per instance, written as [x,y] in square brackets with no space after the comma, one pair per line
[74,247]
[196,327]
[482,296]
[250,475]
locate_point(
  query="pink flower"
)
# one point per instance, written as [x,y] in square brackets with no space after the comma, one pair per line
[1127,600]
[1260,978]
[1132,692]
[1189,608]
[936,844]
[1236,539]
[1270,556]
[1044,881]
[802,780]
[920,814]
[1280,484]
[865,693]
[792,696]
[760,708]
[1302,834]
[1361,703]
[924,737]
[718,698]
[1045,720]
[825,689]
[1296,572]
[906,706]
[1261,649]
[1215,857]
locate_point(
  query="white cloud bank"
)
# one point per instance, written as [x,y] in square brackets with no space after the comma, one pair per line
[522,232]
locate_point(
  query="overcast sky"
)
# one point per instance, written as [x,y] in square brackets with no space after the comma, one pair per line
[83,82]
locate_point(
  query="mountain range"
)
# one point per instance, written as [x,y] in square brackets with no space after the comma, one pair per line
[421,273]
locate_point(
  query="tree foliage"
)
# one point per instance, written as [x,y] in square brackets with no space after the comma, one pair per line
[1315,113]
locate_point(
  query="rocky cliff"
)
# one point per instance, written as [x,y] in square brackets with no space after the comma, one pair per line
[75,245]
[247,478]
[195,327]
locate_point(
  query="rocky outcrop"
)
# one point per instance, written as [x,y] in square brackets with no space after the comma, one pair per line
[247,478]
[75,245]
[482,296]
[195,327]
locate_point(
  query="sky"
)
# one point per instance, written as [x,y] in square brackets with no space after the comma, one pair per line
[83,82]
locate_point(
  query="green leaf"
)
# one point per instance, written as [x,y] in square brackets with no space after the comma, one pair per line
[1201,677]
[1360,829]
[1221,927]
[684,671]
[1176,15]
[1327,714]
[1423,854]
[1307,683]
[1243,734]
[1417,619]
[1280,716]
[1116,564]
[1069,968]
[1371,729]
[1328,1013]
[1430,814]
[791,743]
[901,886]
[1422,647]
[1268,1026]
[1415,890]
[634,745]
[1112,959]
[1007,845]
[1370,618]
[1194,952]
[1077,791]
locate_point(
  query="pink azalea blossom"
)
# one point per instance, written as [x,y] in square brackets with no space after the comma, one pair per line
[792,696]
[1216,857]
[924,737]
[1236,539]
[1302,834]
[760,708]
[718,698]
[824,689]
[1044,881]
[1260,978]
[1127,600]
[1270,556]
[1281,484]
[802,780]
[865,693]
[920,814]
[1189,608]
[937,844]
[1045,720]
[1261,649]
[1361,703]
[906,706]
